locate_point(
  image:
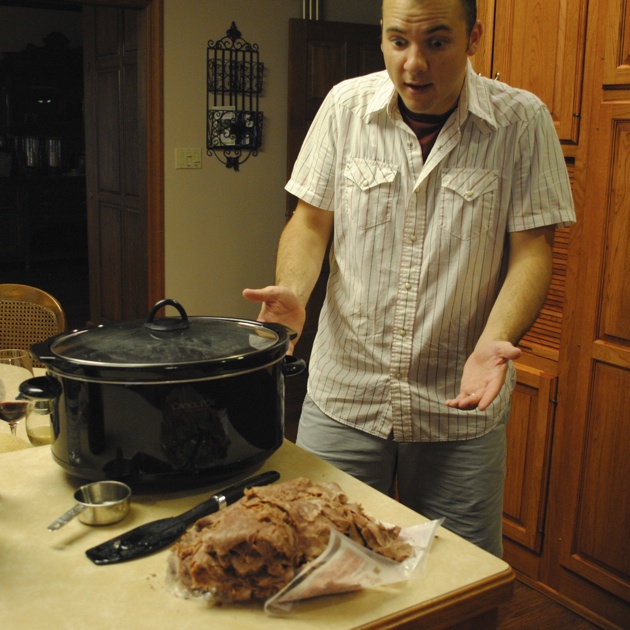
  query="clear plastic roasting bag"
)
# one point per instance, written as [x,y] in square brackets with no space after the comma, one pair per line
[347,566]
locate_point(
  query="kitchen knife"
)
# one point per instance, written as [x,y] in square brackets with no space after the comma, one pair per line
[151,537]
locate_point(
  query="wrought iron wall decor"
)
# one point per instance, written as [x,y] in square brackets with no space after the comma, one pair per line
[235,80]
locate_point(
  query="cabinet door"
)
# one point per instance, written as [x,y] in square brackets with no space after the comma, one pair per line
[617,53]
[118,217]
[538,45]
[529,442]
[596,467]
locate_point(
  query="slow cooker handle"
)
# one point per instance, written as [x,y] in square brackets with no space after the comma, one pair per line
[292,366]
[167,324]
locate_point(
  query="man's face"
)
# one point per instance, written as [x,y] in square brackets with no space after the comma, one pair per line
[426,46]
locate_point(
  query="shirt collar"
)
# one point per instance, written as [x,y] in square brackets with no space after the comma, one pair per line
[384,98]
[475,100]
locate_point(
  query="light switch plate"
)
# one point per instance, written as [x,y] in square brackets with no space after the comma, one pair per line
[188,158]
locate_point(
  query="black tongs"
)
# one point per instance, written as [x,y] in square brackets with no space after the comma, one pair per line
[151,537]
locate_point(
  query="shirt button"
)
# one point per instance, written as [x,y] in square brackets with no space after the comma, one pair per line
[403,333]
[468,194]
[366,184]
[399,375]
[407,286]
[413,238]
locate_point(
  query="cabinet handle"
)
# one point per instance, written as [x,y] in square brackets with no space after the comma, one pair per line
[497,76]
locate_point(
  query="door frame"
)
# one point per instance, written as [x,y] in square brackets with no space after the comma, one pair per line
[155,150]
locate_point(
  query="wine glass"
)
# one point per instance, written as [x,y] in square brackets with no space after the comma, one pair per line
[15,367]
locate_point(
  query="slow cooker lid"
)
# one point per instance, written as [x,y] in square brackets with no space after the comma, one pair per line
[201,340]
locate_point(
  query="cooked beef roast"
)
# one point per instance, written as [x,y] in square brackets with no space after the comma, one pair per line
[253,548]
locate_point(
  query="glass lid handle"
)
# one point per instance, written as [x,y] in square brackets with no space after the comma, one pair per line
[167,323]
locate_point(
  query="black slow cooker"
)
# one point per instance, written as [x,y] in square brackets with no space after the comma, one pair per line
[172,399]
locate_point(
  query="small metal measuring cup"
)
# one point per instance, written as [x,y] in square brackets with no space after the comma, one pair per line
[98,503]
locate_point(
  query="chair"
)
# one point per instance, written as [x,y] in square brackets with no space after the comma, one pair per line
[28,315]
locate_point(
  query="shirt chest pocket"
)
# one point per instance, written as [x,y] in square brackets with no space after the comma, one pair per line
[370,190]
[467,201]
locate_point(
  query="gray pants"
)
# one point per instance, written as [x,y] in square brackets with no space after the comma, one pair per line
[461,481]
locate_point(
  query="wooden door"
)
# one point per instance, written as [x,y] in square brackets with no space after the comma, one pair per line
[125,201]
[592,473]
[321,54]
[536,45]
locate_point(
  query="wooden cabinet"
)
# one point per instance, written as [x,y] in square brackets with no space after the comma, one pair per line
[536,45]
[529,436]
[583,558]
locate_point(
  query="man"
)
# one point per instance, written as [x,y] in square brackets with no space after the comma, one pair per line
[441,191]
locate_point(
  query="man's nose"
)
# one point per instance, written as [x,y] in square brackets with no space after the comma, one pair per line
[416,61]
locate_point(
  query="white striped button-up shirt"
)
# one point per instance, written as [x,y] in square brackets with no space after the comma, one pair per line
[417,252]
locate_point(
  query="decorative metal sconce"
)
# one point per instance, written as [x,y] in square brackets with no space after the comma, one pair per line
[235,79]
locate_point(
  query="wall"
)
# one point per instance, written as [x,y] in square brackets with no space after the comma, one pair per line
[222,226]
[360,11]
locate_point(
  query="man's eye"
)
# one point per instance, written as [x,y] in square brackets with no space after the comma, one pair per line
[437,43]
[398,43]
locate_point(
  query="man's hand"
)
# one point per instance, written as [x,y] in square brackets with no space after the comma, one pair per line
[484,375]
[279,305]
[517,306]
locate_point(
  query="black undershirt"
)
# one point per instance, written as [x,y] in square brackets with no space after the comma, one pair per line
[426,126]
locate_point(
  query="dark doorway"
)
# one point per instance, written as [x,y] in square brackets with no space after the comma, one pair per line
[70,282]
[42,145]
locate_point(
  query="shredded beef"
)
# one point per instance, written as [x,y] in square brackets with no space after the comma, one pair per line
[253,548]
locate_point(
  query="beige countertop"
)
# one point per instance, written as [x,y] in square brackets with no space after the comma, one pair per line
[48,582]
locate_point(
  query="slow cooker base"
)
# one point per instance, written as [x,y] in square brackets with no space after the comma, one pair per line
[173,480]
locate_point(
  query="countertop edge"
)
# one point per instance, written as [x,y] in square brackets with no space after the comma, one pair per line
[452,608]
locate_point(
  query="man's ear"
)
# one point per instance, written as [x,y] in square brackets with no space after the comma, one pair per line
[475,38]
